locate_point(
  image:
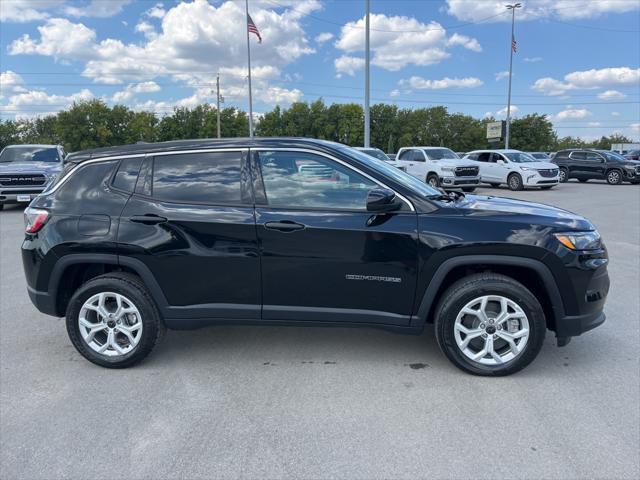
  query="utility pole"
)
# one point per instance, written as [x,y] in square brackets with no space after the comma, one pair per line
[367,119]
[512,47]
[218,101]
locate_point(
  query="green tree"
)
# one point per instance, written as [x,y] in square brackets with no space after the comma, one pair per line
[532,133]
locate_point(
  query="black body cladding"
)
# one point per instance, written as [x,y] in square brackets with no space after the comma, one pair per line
[206,226]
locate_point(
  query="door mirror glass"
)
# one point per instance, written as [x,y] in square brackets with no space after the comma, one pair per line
[501,161]
[382,200]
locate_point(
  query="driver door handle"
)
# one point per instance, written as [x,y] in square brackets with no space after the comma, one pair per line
[147,219]
[284,226]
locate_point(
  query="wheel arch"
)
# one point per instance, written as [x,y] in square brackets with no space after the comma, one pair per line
[72,271]
[532,273]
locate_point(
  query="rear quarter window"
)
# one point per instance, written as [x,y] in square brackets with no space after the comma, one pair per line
[127,174]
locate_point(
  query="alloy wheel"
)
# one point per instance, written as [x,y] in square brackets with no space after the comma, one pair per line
[563,175]
[110,324]
[613,177]
[491,330]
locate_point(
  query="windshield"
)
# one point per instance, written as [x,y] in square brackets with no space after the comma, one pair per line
[519,157]
[612,156]
[374,152]
[417,186]
[441,153]
[540,156]
[29,154]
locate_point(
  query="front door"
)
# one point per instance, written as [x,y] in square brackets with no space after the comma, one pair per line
[323,256]
[191,222]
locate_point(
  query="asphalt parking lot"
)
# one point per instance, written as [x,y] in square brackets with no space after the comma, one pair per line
[257,402]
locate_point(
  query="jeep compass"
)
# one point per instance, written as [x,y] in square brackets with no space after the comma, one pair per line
[132,240]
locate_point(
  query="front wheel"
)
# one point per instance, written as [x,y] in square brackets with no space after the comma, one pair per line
[433,181]
[489,324]
[614,177]
[112,321]
[563,175]
[515,182]
[469,189]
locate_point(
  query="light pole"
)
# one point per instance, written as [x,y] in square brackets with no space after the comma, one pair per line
[367,119]
[512,48]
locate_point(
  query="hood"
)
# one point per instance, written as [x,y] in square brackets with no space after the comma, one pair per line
[47,168]
[633,163]
[453,162]
[538,165]
[513,210]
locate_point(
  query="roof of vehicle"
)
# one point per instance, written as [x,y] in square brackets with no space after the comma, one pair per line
[36,145]
[366,148]
[198,144]
[425,148]
[499,150]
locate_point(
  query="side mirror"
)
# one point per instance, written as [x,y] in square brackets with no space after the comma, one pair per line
[501,162]
[381,200]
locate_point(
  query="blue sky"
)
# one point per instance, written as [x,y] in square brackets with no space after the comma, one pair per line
[578,61]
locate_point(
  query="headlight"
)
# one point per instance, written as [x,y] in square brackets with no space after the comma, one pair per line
[579,240]
[631,168]
[448,169]
[526,169]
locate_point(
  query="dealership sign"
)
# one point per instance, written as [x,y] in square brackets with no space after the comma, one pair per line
[495,131]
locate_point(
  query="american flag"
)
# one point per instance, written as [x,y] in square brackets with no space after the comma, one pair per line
[252,28]
[514,45]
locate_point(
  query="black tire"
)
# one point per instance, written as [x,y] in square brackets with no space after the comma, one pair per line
[563,175]
[478,285]
[635,182]
[130,286]
[614,177]
[469,189]
[495,185]
[433,180]
[1,206]
[514,181]
[547,187]
[583,180]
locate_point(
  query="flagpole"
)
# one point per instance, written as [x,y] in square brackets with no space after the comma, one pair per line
[249,69]
[367,118]
[513,23]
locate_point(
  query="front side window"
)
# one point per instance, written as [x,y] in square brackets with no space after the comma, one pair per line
[208,177]
[519,157]
[593,157]
[298,179]
[418,156]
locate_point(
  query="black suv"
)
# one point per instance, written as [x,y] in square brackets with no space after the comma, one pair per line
[134,239]
[587,164]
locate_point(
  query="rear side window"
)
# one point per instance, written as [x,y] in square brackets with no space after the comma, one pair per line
[127,174]
[405,155]
[211,177]
[418,156]
[578,155]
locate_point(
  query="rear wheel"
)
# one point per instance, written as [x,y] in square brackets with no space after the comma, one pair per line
[433,180]
[563,175]
[113,322]
[515,182]
[614,177]
[489,324]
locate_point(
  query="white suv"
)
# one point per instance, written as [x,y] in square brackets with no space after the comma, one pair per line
[514,168]
[439,167]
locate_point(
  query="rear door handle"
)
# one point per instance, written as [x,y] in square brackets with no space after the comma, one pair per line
[148,219]
[284,226]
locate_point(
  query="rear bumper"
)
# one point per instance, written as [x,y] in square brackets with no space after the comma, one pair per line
[9,197]
[42,301]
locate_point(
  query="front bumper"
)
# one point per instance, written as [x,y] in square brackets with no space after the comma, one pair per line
[22,195]
[459,182]
[534,179]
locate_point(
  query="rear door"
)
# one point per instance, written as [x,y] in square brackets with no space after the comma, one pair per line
[594,165]
[324,257]
[578,167]
[191,223]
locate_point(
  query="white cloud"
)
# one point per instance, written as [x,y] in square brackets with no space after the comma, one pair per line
[97,8]
[148,30]
[588,79]
[44,104]
[594,124]
[394,93]
[571,114]
[611,95]
[398,41]
[474,10]
[323,37]
[195,40]
[467,42]
[27,10]
[501,75]
[157,11]
[420,83]
[503,112]
[635,127]
[348,64]
[11,82]
[131,89]
[532,59]
[615,114]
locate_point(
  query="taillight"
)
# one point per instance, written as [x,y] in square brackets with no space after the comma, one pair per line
[34,219]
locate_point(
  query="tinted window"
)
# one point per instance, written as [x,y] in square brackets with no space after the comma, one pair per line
[484,156]
[198,178]
[127,174]
[614,156]
[578,155]
[440,153]
[30,154]
[405,155]
[472,156]
[297,179]
[519,157]
[418,156]
[593,157]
